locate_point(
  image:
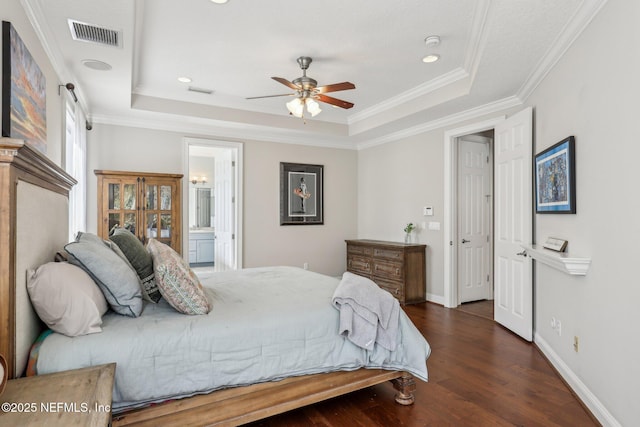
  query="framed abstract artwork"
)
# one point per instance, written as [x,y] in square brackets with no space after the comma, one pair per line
[24,92]
[555,170]
[301,194]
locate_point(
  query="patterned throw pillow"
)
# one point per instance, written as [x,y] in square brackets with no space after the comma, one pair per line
[140,260]
[177,282]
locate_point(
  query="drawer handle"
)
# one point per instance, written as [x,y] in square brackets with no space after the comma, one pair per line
[397,271]
[367,266]
[397,291]
[350,263]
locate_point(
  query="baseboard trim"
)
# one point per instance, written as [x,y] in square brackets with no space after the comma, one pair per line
[438,299]
[579,388]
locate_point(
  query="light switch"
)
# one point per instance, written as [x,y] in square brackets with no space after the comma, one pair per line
[434,225]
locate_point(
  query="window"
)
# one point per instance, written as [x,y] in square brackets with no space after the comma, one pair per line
[76,165]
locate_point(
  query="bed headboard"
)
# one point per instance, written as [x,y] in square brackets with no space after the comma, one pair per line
[34,212]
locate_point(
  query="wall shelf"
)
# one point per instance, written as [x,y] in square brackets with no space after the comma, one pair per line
[575,266]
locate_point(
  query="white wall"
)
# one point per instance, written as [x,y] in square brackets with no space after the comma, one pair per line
[265,241]
[13,12]
[591,93]
[395,181]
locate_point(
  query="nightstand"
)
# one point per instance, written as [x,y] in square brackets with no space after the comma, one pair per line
[81,397]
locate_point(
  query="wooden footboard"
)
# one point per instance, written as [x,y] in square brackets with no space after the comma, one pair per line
[240,405]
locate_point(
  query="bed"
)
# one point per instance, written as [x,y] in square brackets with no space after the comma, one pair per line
[244,304]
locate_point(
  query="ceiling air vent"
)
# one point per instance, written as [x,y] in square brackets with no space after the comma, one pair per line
[200,90]
[94,34]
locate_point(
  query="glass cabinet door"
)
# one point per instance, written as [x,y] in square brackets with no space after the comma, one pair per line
[121,205]
[158,211]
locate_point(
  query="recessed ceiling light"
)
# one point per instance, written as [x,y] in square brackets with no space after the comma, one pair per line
[94,64]
[184,79]
[431,58]
[219,1]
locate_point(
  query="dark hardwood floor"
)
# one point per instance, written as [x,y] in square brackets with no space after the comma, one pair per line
[482,308]
[480,374]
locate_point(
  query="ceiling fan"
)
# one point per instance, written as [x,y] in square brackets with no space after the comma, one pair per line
[307,92]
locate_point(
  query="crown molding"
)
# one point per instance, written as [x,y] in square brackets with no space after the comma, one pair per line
[478,38]
[43,31]
[474,49]
[409,95]
[220,129]
[575,26]
[240,131]
[470,114]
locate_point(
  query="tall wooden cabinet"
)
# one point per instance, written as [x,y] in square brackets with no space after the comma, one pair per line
[399,268]
[148,204]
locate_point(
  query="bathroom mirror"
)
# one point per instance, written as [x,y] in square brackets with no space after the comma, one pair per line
[203,209]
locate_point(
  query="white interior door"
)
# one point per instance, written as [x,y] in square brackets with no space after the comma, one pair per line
[513,303]
[224,206]
[474,219]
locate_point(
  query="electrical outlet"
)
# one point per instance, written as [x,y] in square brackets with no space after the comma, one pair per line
[305,265]
[559,328]
[575,343]
[556,325]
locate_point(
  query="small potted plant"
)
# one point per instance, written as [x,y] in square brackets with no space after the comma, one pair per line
[407,230]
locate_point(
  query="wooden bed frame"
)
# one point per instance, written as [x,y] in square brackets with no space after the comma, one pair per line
[42,229]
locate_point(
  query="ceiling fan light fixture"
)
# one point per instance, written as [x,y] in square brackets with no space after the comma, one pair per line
[184,79]
[296,107]
[219,1]
[432,57]
[313,107]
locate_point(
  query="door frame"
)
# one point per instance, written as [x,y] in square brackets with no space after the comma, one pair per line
[450,205]
[238,148]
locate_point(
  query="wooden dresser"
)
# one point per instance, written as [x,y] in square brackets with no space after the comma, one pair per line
[399,268]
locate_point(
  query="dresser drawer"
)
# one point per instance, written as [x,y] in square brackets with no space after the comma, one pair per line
[359,250]
[393,254]
[394,288]
[388,269]
[358,264]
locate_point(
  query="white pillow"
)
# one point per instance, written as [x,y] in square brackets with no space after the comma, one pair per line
[66,299]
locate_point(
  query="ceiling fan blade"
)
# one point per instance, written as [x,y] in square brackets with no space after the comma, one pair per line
[271,96]
[333,101]
[335,87]
[286,83]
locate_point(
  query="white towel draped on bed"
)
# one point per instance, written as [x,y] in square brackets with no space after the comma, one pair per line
[368,314]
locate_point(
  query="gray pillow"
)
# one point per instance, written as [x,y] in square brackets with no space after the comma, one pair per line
[66,298]
[141,261]
[113,274]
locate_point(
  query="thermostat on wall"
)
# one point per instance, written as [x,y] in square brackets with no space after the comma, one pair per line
[427,211]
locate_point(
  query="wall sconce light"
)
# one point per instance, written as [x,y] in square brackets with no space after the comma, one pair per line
[202,180]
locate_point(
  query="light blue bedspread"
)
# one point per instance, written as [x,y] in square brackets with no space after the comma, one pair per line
[266,324]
